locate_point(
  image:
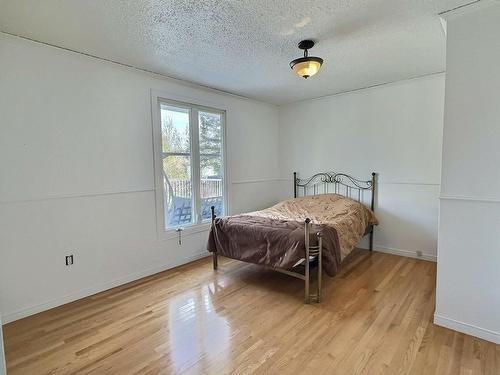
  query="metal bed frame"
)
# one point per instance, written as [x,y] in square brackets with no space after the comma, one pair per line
[321,183]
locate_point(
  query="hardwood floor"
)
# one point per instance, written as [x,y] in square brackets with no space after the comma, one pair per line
[375,318]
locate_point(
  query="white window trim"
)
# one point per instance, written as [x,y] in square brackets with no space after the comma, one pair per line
[160,96]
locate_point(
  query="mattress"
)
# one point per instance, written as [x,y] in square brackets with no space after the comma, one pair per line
[347,216]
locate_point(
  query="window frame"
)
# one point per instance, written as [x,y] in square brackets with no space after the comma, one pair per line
[157,98]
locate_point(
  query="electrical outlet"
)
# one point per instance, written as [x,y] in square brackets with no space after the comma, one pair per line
[69,260]
[419,253]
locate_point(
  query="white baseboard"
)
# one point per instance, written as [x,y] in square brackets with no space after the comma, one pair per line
[406,253]
[22,313]
[468,329]
[3,367]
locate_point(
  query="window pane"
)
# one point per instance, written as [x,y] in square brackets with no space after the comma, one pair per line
[174,129]
[210,133]
[177,188]
[212,185]
[211,164]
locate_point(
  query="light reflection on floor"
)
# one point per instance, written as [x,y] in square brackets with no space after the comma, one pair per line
[196,330]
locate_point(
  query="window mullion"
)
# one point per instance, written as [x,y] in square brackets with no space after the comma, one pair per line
[195,152]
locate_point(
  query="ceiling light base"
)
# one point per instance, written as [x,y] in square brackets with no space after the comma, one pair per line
[306,44]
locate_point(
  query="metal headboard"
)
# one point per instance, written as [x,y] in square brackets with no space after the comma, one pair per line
[338,183]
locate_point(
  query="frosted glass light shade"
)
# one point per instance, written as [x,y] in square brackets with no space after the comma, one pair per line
[306,66]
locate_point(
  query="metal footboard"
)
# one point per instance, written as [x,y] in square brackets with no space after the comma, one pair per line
[310,254]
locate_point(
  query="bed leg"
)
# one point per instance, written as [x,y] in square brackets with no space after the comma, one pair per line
[214,254]
[306,273]
[306,284]
[320,266]
[371,240]
[214,258]
[372,205]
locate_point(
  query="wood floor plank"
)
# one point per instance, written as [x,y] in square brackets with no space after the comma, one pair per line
[375,318]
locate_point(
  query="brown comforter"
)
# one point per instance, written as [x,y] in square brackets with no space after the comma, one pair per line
[275,236]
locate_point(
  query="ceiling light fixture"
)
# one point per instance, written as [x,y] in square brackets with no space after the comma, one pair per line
[306,66]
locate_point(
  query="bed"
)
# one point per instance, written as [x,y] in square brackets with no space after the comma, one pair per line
[314,231]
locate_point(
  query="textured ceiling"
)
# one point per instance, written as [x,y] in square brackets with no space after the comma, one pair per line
[244,46]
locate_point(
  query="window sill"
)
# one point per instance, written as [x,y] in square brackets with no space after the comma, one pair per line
[171,234]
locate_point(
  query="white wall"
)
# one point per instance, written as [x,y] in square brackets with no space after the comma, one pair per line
[394,130]
[468,287]
[76,167]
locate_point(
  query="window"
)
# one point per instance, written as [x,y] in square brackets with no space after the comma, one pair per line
[190,163]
